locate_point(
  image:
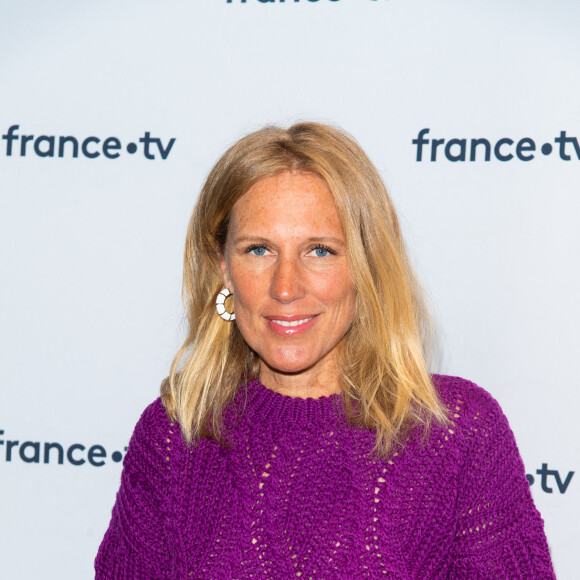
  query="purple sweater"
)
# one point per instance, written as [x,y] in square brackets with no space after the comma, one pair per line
[297,495]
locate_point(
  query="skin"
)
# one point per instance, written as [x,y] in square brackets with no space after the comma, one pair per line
[285,263]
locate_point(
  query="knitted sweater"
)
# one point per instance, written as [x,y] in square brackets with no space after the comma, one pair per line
[298,495]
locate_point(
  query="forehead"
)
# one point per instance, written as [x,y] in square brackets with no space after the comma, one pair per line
[291,204]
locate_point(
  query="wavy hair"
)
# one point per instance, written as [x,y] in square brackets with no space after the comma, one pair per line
[384,376]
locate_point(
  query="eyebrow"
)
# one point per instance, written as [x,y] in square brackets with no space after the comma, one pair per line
[312,240]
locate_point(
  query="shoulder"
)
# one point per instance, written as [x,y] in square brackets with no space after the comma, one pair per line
[480,432]
[154,419]
[466,400]
[155,437]
[477,420]
[154,422]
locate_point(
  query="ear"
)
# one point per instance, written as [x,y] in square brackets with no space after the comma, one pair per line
[224,269]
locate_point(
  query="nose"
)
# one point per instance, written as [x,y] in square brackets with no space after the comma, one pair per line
[287,282]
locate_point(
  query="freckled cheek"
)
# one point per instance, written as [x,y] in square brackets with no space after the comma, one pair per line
[338,293]
[248,319]
[248,296]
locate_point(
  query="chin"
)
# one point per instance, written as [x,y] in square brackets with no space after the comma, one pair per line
[288,369]
[287,364]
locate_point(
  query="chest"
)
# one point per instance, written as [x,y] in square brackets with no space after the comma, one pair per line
[319,511]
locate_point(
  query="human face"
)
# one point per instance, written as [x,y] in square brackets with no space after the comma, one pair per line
[285,263]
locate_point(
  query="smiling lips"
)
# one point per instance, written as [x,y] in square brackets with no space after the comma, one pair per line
[290,325]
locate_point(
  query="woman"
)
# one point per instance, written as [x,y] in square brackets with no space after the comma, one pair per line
[299,433]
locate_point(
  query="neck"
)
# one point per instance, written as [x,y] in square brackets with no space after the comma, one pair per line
[310,383]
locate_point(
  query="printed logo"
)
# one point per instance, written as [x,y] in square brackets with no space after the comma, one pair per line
[481,149]
[75,454]
[546,473]
[90,147]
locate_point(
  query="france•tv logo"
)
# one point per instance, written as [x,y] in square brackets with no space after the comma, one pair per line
[462,149]
[90,147]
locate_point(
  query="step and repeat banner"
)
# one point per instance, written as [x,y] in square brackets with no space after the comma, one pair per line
[111,115]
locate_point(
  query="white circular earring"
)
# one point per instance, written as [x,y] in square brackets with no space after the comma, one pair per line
[219,304]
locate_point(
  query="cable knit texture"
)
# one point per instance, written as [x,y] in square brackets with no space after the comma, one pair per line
[298,494]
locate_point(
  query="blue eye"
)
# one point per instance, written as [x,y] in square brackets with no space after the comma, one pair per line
[322,251]
[258,250]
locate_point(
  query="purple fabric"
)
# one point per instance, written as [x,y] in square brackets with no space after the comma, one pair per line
[297,495]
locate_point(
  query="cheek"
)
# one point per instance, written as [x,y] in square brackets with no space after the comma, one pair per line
[248,294]
[247,290]
[337,291]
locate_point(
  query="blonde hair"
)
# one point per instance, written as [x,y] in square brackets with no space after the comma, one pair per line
[384,374]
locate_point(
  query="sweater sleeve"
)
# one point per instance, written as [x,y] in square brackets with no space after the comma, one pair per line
[499,531]
[135,544]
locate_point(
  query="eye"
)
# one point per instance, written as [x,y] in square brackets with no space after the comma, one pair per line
[322,251]
[257,250]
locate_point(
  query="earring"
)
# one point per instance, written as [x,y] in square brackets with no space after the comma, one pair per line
[219,304]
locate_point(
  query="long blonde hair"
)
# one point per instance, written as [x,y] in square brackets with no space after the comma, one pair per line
[384,374]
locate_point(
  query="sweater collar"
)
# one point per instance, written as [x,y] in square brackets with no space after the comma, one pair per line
[269,408]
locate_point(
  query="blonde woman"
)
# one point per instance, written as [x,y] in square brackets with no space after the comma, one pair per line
[299,433]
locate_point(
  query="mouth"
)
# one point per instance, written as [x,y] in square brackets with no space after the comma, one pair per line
[290,325]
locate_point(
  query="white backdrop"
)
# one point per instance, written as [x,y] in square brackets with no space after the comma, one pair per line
[91,246]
